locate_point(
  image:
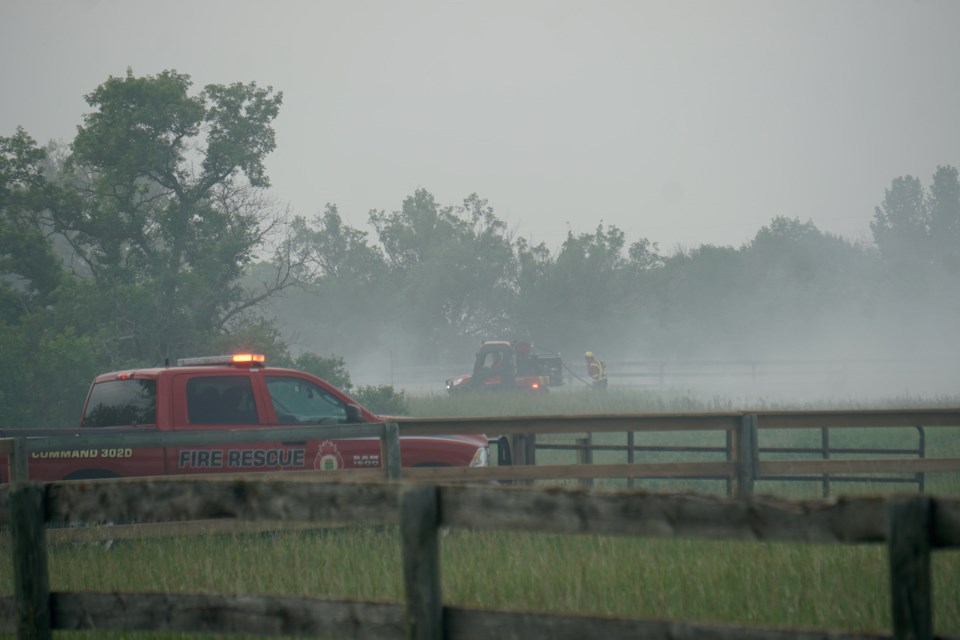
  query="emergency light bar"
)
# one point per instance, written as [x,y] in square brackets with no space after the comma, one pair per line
[237,358]
[248,357]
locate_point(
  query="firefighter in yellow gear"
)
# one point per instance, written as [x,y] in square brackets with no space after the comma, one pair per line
[597,370]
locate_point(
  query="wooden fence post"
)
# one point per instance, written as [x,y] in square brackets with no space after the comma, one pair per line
[390,450]
[19,460]
[910,587]
[731,455]
[419,528]
[30,576]
[585,456]
[504,452]
[747,454]
[825,453]
[922,453]
[524,447]
[530,442]
[518,447]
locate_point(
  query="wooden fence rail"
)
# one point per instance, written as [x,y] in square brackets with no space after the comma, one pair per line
[720,421]
[744,460]
[743,465]
[910,527]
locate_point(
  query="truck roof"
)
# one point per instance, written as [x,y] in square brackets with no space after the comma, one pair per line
[157,372]
[234,362]
[237,364]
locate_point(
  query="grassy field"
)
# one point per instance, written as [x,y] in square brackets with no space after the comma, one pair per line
[794,585]
[940,441]
[586,401]
[756,584]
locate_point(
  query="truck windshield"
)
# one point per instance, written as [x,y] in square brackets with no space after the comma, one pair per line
[118,403]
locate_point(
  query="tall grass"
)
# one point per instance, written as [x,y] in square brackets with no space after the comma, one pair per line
[570,402]
[941,441]
[655,400]
[797,585]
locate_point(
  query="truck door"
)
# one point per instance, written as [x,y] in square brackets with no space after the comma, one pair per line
[298,401]
[494,368]
[227,401]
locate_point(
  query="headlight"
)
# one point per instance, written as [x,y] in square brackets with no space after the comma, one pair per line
[480,458]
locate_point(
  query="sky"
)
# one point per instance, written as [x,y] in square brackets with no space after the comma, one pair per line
[686,122]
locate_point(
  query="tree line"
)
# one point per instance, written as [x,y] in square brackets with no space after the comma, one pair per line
[429,280]
[152,235]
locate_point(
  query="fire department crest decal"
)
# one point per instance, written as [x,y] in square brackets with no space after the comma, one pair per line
[328,457]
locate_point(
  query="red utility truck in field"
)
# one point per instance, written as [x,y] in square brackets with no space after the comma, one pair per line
[226,392]
[509,365]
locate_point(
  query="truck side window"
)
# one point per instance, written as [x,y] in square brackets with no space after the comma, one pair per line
[296,401]
[221,400]
[121,403]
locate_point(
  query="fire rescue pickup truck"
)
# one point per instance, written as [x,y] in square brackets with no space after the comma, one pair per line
[226,392]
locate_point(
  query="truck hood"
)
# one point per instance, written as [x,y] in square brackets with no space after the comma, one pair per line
[477,439]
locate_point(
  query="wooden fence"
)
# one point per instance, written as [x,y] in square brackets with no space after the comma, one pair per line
[911,528]
[744,462]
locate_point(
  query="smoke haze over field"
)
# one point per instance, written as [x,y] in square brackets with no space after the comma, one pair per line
[686,122]
[714,130]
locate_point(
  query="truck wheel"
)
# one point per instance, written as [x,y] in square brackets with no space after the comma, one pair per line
[92,474]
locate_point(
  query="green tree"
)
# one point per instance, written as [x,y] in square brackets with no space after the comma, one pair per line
[333,369]
[943,205]
[805,282]
[698,303]
[163,201]
[47,361]
[383,400]
[532,308]
[582,297]
[338,251]
[452,269]
[918,235]
[346,303]
[901,224]
[159,206]
[29,269]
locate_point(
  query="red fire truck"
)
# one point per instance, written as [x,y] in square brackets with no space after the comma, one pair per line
[226,392]
[510,365]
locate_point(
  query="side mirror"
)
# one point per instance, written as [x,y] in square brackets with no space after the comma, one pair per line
[353,414]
